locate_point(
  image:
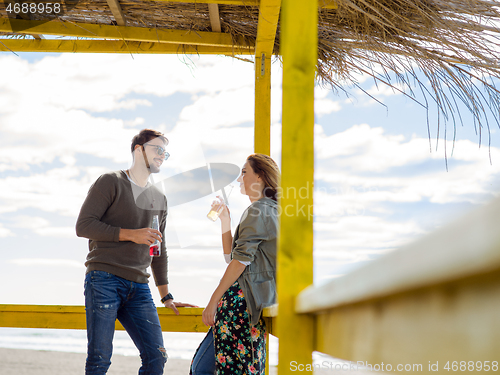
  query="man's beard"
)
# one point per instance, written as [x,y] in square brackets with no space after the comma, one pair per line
[152,168]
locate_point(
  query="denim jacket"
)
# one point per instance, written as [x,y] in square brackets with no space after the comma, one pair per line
[255,241]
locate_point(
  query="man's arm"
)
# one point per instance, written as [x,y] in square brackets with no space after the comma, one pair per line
[163,289]
[89,224]
[99,198]
[144,236]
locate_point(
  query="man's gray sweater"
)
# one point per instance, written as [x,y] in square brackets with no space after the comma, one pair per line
[114,202]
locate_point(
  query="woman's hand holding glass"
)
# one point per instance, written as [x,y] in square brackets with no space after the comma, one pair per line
[221,206]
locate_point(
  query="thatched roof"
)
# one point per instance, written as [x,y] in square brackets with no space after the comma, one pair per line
[453,42]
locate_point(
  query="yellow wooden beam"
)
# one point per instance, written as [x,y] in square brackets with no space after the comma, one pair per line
[73,317]
[117,11]
[269,12]
[253,3]
[299,49]
[423,331]
[270,315]
[262,126]
[433,300]
[114,46]
[190,320]
[34,316]
[328,4]
[140,34]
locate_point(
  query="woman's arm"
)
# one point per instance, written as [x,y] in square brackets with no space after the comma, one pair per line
[233,272]
[227,239]
[225,225]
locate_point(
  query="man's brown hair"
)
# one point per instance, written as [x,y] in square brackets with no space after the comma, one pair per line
[146,135]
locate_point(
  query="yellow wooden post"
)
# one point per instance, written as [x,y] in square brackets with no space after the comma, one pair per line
[262,128]
[299,35]
[269,12]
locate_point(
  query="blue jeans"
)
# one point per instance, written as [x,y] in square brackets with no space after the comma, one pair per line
[204,358]
[109,297]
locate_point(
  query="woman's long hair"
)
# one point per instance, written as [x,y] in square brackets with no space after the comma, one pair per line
[267,169]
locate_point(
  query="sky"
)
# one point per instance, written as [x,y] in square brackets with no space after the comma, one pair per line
[65,119]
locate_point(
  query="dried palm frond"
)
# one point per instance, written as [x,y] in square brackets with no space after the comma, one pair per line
[454,43]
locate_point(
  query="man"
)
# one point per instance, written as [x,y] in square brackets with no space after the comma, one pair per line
[116,217]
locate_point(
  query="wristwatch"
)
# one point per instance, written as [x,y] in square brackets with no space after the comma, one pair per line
[167,297]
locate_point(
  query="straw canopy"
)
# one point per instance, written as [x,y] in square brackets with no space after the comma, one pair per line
[453,44]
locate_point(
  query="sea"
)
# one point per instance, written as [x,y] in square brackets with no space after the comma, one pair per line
[179,345]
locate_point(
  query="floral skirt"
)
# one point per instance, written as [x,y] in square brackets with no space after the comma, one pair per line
[240,349]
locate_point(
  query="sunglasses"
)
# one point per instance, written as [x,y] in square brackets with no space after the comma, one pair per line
[159,150]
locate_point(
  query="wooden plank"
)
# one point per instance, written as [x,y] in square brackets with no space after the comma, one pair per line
[114,46]
[213,11]
[188,321]
[271,311]
[433,326]
[270,315]
[262,123]
[467,247]
[73,317]
[299,34]
[142,34]
[327,4]
[117,11]
[252,3]
[33,316]
[269,12]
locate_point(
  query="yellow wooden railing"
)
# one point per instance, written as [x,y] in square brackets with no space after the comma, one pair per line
[432,307]
[73,317]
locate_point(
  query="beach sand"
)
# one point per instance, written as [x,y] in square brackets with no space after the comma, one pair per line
[38,362]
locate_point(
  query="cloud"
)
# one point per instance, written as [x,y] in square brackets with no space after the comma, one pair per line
[59,190]
[381,90]
[223,109]
[375,157]
[364,235]
[42,226]
[5,232]
[43,262]
[96,83]
[362,176]
[44,103]
[322,104]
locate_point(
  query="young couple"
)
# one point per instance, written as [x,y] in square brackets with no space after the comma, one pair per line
[116,218]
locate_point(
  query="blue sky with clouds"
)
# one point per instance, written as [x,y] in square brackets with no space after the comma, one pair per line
[66,119]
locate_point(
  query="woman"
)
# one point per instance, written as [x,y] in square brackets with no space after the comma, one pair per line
[248,285]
